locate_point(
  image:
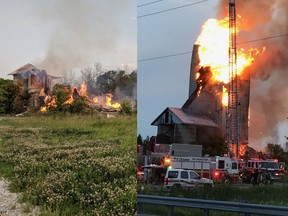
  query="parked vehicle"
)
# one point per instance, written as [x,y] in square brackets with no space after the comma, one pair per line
[187,179]
[261,172]
[222,170]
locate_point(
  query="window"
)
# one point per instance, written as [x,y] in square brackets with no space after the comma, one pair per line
[184,175]
[194,175]
[234,165]
[172,174]
[221,164]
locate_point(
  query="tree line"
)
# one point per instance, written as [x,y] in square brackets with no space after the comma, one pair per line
[13,99]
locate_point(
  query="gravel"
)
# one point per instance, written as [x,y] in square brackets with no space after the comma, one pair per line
[9,205]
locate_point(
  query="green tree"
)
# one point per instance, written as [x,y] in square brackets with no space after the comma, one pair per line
[274,151]
[106,82]
[62,93]
[215,146]
[8,92]
[79,105]
[139,140]
[126,107]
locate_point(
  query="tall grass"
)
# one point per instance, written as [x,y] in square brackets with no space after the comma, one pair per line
[71,165]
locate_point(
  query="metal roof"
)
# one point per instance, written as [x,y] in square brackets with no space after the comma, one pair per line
[187,118]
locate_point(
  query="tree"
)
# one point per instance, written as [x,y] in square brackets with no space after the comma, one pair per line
[126,107]
[62,93]
[79,104]
[69,78]
[8,92]
[139,140]
[106,82]
[214,146]
[90,75]
[274,151]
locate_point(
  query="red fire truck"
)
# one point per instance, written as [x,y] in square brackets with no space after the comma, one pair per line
[219,169]
[261,172]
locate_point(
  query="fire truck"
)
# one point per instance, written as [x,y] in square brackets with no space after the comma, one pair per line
[261,172]
[220,169]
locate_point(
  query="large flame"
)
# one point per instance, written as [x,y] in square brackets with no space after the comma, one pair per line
[213,50]
[100,101]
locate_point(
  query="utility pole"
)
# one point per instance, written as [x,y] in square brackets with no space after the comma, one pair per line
[232,113]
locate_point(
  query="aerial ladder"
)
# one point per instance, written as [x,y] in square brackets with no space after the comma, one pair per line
[232,112]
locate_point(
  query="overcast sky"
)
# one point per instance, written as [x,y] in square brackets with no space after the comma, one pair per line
[59,35]
[164,82]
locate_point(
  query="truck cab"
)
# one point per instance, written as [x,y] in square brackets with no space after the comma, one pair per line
[225,170]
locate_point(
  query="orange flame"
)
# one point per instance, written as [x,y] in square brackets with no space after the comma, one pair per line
[213,51]
[109,104]
[105,101]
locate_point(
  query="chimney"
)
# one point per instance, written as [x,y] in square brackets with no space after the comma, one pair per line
[194,67]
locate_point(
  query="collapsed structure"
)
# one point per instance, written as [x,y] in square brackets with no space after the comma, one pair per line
[37,83]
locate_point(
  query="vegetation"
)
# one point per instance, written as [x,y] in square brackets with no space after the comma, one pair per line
[268,195]
[71,165]
[112,81]
[12,99]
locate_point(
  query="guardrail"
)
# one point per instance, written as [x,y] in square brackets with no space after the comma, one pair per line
[206,205]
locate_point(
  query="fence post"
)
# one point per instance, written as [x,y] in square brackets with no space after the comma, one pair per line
[206,212]
[139,208]
[170,211]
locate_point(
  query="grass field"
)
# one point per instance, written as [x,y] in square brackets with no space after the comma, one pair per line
[71,165]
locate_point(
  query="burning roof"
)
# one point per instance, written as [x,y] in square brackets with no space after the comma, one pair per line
[28,70]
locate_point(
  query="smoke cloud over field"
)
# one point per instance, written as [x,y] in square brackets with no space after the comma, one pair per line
[82,31]
[268,102]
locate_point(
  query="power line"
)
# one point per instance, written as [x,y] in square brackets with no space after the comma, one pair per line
[185,53]
[163,11]
[275,36]
[159,57]
[149,3]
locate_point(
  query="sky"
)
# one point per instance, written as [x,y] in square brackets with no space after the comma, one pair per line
[164,82]
[67,35]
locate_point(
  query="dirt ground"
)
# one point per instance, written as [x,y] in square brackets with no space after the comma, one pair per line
[9,204]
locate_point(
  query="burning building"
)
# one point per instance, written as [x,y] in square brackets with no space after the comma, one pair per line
[37,83]
[204,113]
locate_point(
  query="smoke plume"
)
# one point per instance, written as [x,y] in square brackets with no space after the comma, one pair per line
[82,30]
[260,19]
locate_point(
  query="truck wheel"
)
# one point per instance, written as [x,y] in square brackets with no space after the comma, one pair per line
[261,179]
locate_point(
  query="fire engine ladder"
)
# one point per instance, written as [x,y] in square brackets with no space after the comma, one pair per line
[232,113]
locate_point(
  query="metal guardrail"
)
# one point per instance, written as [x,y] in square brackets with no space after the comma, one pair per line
[207,205]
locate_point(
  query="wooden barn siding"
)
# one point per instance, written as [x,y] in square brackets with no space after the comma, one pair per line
[185,134]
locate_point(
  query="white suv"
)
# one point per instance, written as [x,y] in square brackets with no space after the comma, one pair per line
[180,178]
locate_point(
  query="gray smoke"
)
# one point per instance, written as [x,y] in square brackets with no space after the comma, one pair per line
[82,30]
[268,103]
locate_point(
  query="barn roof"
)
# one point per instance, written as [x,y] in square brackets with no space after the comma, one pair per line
[28,69]
[25,68]
[179,116]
